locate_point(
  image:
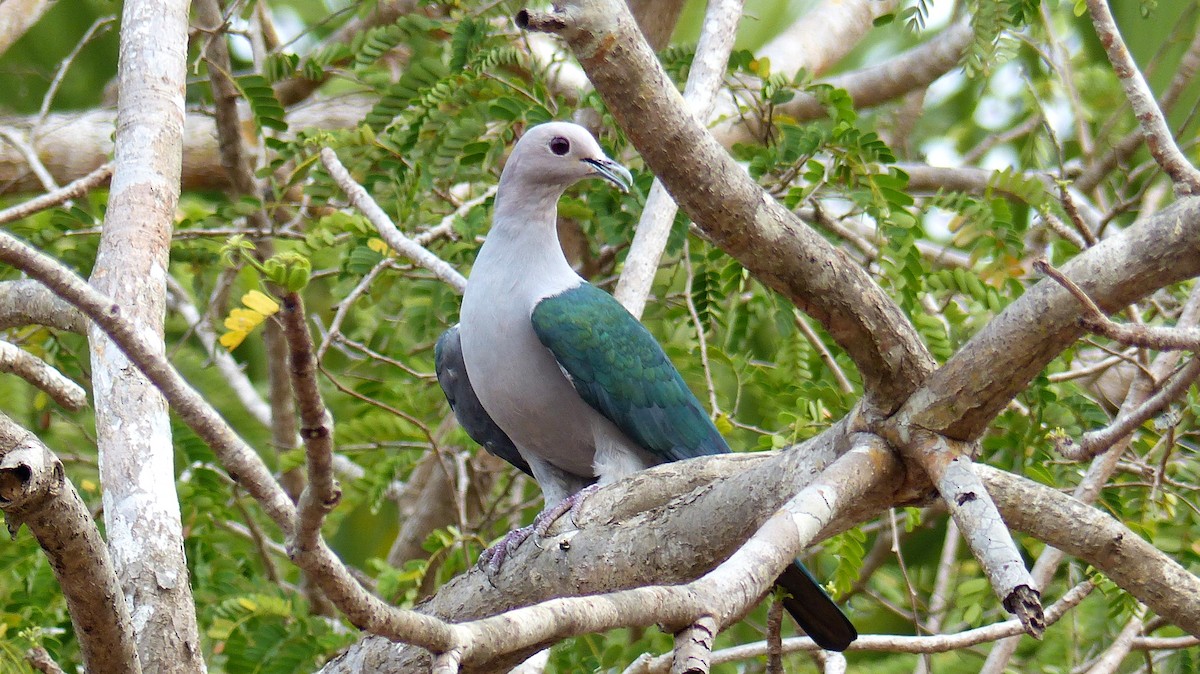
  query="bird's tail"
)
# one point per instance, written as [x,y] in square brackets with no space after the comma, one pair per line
[814,611]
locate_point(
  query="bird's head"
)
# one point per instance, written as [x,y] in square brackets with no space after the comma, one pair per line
[560,154]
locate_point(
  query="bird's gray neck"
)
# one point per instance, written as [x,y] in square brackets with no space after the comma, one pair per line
[522,248]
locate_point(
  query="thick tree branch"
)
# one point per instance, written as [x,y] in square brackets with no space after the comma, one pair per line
[628,520]
[35,492]
[736,213]
[305,546]
[724,594]
[242,462]
[874,85]
[951,470]
[824,35]
[1096,538]
[238,458]
[1097,475]
[133,426]
[17,17]
[705,76]
[965,394]
[27,302]
[1149,337]
[72,145]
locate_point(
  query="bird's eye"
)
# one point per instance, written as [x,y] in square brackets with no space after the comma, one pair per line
[559,145]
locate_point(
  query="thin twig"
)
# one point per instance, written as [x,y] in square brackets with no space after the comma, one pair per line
[700,336]
[41,374]
[908,584]
[775,637]
[29,153]
[360,199]
[1072,211]
[39,658]
[72,190]
[888,643]
[1159,139]
[100,24]
[1095,442]
[939,600]
[1086,371]
[823,351]
[446,226]
[371,353]
[1150,337]
[344,306]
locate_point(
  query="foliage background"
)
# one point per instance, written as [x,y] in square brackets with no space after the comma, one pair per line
[437,135]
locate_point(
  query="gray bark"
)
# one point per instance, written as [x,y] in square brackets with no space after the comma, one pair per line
[35,492]
[141,508]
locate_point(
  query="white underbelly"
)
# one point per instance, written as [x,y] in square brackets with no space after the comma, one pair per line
[519,383]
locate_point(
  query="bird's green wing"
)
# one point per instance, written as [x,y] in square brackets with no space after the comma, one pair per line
[622,372]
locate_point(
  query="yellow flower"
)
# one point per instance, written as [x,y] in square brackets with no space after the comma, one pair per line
[232,340]
[379,246]
[260,302]
[241,322]
[243,319]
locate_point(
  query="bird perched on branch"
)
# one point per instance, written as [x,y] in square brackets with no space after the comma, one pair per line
[553,375]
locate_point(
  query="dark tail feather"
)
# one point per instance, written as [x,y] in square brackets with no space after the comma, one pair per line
[814,611]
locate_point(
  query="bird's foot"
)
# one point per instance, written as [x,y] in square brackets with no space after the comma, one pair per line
[493,557]
[568,506]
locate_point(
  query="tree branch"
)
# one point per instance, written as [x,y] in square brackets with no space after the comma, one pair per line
[1159,139]
[322,494]
[951,470]
[17,17]
[36,371]
[693,647]
[133,424]
[731,208]
[36,493]
[1096,538]
[824,35]
[238,458]
[886,643]
[74,190]
[1149,337]
[1094,442]
[360,199]
[27,302]
[966,393]
[632,517]
[874,85]
[705,76]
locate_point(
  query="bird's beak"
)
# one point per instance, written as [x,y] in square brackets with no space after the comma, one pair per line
[612,172]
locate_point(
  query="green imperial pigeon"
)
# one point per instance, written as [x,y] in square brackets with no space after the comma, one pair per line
[553,375]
